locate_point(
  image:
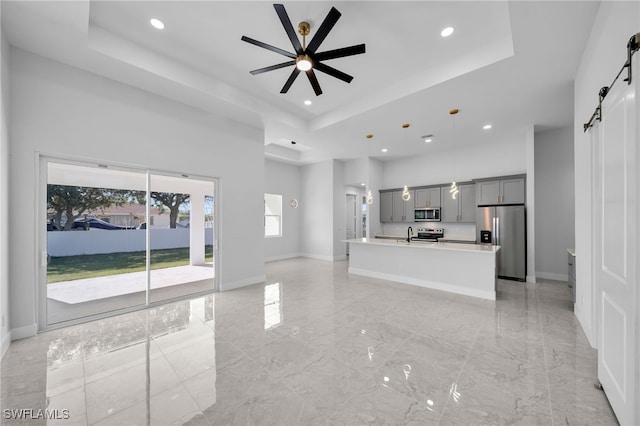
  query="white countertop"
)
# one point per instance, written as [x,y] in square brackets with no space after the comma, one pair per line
[572,252]
[478,248]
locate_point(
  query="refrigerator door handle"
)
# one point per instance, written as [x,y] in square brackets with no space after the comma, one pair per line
[493,231]
[497,231]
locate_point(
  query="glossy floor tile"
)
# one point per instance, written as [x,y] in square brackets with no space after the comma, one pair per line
[314,345]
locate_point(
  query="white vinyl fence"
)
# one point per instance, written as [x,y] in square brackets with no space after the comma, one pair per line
[97,241]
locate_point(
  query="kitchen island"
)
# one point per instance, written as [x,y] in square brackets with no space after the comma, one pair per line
[467,269]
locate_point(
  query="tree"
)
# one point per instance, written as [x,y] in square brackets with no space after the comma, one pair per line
[74,201]
[172,201]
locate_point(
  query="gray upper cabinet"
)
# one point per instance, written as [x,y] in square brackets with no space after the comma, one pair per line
[512,191]
[427,197]
[386,206]
[467,197]
[461,209]
[501,191]
[394,209]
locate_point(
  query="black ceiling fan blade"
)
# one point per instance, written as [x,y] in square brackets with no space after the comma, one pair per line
[290,80]
[340,53]
[333,72]
[272,67]
[286,23]
[269,47]
[326,26]
[314,82]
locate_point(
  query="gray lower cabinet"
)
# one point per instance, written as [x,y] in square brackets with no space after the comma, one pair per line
[394,209]
[501,191]
[460,209]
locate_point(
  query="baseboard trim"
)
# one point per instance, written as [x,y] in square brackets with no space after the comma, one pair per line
[281,257]
[242,283]
[24,332]
[434,285]
[587,331]
[318,257]
[6,342]
[531,279]
[552,276]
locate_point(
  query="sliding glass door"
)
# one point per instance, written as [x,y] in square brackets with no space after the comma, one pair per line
[179,264]
[119,239]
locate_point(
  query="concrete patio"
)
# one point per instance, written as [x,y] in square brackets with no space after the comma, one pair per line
[90,289]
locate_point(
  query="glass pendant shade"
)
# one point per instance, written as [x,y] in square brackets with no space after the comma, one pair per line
[406,195]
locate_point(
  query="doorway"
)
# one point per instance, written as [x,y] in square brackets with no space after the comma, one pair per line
[119,239]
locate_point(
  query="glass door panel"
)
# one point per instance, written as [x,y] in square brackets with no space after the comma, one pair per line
[96,253]
[178,227]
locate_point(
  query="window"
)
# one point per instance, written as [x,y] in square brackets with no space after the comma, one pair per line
[272,215]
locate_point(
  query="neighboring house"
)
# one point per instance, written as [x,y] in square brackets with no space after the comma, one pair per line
[132,215]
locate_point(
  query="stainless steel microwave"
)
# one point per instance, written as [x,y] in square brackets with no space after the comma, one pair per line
[427,214]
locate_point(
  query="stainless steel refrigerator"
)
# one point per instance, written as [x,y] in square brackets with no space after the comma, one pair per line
[505,226]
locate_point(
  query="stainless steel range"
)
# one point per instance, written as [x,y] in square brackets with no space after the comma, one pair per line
[428,234]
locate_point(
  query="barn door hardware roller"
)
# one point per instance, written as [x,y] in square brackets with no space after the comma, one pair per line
[632,47]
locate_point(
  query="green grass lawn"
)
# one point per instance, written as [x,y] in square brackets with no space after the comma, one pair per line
[71,268]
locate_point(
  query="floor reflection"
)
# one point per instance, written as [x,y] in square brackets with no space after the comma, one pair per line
[339,350]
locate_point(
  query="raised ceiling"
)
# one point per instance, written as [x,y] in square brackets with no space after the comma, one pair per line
[510,64]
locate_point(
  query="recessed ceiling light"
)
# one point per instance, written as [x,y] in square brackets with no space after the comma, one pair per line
[157,23]
[446,32]
[384,150]
[308,102]
[427,138]
[362,184]
[487,126]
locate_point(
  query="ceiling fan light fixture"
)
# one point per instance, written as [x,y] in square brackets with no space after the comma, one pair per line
[303,62]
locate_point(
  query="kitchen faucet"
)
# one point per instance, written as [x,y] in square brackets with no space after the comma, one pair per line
[409,234]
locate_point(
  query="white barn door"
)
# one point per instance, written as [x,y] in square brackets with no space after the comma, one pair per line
[615,213]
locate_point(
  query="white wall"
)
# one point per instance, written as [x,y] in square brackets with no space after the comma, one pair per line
[555,202]
[5,337]
[339,208]
[57,109]
[497,159]
[317,210]
[374,183]
[284,179]
[604,55]
[356,171]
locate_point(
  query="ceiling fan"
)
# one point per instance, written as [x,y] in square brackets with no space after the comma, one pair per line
[306,58]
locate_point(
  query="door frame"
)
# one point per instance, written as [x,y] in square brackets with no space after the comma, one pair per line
[40,256]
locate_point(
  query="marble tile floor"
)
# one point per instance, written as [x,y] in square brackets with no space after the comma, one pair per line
[314,345]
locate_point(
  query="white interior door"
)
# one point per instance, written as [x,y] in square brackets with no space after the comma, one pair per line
[615,240]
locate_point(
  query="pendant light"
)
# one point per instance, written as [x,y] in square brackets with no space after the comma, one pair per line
[406,195]
[454,188]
